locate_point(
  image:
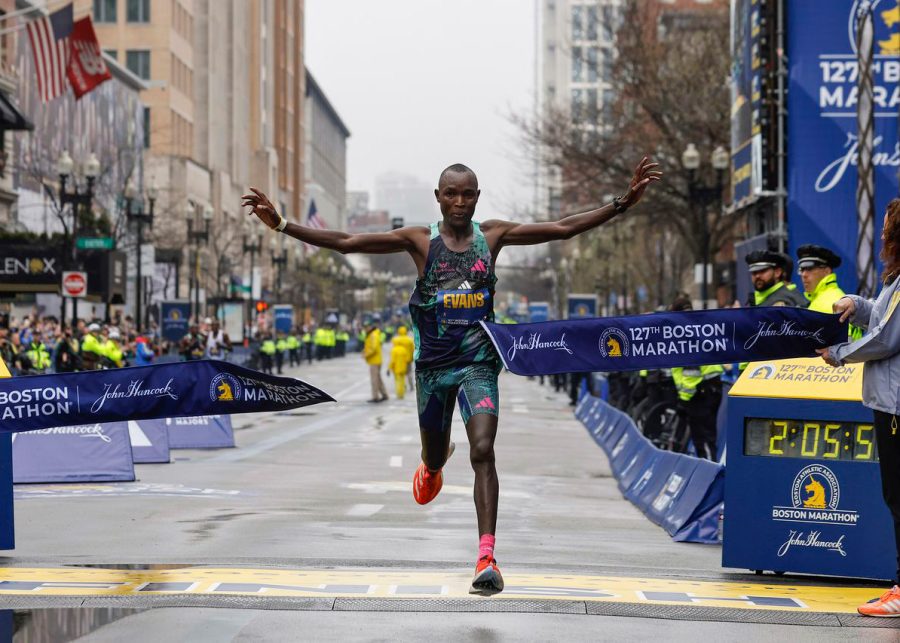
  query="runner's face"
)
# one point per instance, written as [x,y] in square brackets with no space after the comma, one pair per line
[457,196]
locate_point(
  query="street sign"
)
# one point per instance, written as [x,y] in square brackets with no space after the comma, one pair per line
[94,243]
[74,284]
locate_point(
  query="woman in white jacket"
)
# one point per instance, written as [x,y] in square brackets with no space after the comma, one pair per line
[879,349]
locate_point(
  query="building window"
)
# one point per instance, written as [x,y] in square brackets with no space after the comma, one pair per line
[591,19]
[607,65]
[577,65]
[138,11]
[578,99]
[112,53]
[578,22]
[592,64]
[608,20]
[146,128]
[138,62]
[105,10]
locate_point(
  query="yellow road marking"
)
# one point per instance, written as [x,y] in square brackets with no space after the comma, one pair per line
[373,583]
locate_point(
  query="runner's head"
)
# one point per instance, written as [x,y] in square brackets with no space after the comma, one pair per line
[457,194]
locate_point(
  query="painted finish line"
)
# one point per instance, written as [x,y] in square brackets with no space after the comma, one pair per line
[369,583]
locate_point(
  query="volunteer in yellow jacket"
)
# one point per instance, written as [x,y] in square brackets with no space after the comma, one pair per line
[398,366]
[372,355]
[817,264]
[403,339]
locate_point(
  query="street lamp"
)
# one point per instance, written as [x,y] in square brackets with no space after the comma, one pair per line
[141,217]
[91,169]
[279,261]
[195,237]
[253,248]
[704,196]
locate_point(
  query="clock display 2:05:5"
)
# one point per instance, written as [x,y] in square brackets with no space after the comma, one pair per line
[812,439]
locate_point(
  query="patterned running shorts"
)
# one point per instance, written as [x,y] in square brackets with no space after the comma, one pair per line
[474,385]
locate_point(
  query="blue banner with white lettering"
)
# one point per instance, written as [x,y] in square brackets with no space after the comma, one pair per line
[284,318]
[664,340]
[83,453]
[202,432]
[821,124]
[176,317]
[185,389]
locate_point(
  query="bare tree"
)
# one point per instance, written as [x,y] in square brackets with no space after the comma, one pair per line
[669,89]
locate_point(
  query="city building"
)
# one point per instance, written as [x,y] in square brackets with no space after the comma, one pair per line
[326,152]
[575,62]
[107,122]
[406,197]
[223,110]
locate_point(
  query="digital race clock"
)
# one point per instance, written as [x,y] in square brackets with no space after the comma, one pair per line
[814,439]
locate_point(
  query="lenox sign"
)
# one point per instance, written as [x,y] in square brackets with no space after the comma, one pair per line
[14,266]
[30,267]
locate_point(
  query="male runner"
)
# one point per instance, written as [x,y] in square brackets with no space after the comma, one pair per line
[455,359]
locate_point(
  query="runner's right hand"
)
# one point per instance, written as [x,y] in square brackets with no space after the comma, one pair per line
[845,307]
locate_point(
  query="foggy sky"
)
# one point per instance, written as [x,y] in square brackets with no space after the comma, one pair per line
[422,84]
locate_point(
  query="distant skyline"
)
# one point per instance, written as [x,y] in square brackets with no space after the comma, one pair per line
[422,84]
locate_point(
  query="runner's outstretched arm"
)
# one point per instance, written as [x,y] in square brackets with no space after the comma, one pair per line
[400,240]
[509,233]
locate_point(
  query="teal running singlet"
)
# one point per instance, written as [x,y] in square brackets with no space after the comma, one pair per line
[455,293]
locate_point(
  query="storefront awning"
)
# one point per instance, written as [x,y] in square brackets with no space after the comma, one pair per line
[10,116]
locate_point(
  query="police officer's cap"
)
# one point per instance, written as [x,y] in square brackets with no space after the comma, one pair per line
[763,259]
[812,256]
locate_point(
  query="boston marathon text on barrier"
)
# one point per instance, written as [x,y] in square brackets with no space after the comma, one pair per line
[203,387]
[663,340]
[34,402]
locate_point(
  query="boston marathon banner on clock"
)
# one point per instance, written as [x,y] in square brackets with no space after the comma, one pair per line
[185,389]
[664,340]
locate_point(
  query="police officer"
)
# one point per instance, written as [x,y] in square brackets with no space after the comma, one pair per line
[767,270]
[817,265]
[37,355]
[307,340]
[267,352]
[699,394]
[293,346]
[281,345]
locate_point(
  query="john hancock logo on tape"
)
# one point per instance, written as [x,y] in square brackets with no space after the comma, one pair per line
[815,498]
[225,388]
[613,343]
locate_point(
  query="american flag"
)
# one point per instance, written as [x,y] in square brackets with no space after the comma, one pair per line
[49,36]
[313,220]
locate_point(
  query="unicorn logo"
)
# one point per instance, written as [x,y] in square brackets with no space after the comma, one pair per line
[615,349]
[816,491]
[613,343]
[225,387]
[224,390]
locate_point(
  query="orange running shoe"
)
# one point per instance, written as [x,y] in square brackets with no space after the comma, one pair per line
[488,580]
[426,484]
[888,606]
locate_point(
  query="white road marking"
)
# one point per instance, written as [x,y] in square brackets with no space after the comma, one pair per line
[406,438]
[364,510]
[406,487]
[397,461]
[520,408]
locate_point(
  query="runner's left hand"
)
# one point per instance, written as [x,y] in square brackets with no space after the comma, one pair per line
[644,174]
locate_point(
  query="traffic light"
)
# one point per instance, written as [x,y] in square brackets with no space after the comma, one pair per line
[261,306]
